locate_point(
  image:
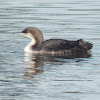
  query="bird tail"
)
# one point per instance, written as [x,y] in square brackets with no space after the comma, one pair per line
[85,45]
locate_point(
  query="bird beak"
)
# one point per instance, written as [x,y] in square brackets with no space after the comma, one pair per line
[19,33]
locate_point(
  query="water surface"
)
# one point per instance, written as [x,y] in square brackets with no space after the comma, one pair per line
[28,77]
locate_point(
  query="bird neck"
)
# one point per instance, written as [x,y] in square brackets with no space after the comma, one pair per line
[33,45]
[29,47]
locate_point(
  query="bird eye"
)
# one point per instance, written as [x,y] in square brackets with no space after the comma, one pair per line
[28,32]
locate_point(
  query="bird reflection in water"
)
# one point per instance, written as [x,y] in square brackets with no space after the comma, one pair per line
[36,62]
[35,65]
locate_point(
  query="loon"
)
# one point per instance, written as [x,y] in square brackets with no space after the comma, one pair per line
[53,46]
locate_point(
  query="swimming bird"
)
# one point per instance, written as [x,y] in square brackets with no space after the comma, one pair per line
[53,46]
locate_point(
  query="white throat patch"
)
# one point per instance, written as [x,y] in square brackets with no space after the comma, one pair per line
[28,35]
[28,48]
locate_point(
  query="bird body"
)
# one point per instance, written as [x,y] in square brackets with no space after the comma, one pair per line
[53,46]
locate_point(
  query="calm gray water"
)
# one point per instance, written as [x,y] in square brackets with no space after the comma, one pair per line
[31,77]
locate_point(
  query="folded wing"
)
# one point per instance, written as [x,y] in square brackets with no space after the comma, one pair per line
[58,45]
